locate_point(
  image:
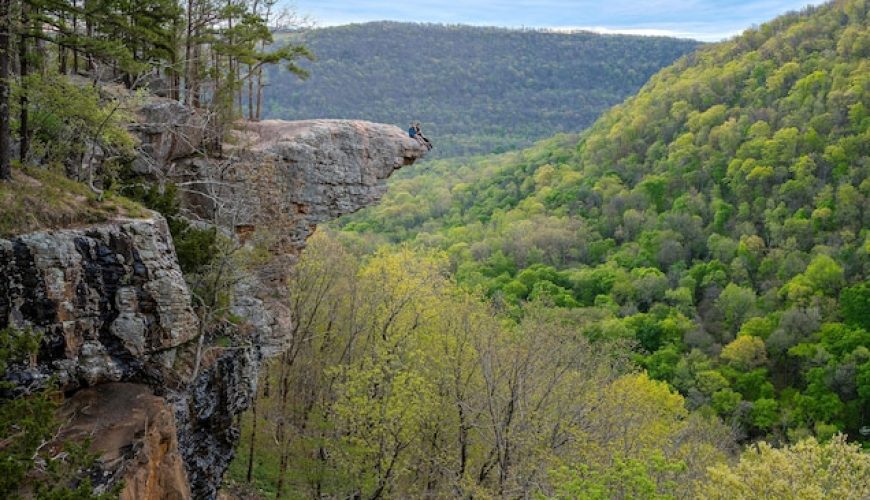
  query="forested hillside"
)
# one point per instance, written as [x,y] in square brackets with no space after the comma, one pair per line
[475,90]
[718,220]
[606,315]
[397,383]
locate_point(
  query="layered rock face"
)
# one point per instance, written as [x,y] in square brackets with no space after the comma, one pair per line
[273,184]
[111,304]
[290,176]
[114,307]
[109,300]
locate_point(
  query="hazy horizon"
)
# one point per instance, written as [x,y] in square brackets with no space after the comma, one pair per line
[704,20]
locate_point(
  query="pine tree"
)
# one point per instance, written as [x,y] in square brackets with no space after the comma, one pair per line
[208,51]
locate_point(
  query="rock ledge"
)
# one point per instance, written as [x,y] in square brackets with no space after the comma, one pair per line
[115,310]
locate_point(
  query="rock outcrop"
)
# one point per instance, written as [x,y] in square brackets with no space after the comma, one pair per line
[290,176]
[109,300]
[273,184]
[136,434]
[115,310]
[168,130]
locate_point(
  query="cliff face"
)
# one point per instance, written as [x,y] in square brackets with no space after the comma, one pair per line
[271,187]
[286,177]
[135,433]
[112,305]
[115,310]
[110,301]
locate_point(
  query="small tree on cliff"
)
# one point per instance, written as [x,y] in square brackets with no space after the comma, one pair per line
[27,423]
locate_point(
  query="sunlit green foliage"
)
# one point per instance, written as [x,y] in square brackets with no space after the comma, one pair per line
[718,220]
[69,120]
[405,386]
[804,470]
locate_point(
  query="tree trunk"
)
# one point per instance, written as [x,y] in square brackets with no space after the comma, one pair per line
[75,30]
[231,73]
[241,85]
[255,10]
[194,87]
[61,51]
[252,447]
[281,431]
[23,128]
[61,59]
[172,78]
[259,114]
[250,96]
[463,443]
[188,46]
[5,146]
[89,32]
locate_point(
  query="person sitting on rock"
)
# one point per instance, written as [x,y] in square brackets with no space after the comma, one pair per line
[418,134]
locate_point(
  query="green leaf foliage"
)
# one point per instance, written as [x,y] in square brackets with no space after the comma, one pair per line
[27,422]
[718,220]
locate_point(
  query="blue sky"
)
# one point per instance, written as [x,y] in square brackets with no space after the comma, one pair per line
[708,20]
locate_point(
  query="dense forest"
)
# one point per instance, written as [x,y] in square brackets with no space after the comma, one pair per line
[719,219]
[672,303]
[475,90]
[610,314]
[400,384]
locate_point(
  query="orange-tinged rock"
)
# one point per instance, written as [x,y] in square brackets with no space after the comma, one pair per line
[134,433]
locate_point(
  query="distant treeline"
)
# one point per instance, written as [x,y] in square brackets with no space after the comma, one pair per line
[476,90]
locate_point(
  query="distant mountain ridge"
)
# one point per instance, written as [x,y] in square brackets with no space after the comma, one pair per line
[475,89]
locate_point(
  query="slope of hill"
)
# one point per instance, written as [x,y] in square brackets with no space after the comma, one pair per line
[719,219]
[476,90]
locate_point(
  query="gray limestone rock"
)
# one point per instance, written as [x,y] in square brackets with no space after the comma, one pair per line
[277,180]
[105,298]
[167,130]
[113,305]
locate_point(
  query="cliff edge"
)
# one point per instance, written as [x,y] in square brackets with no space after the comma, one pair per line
[160,385]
